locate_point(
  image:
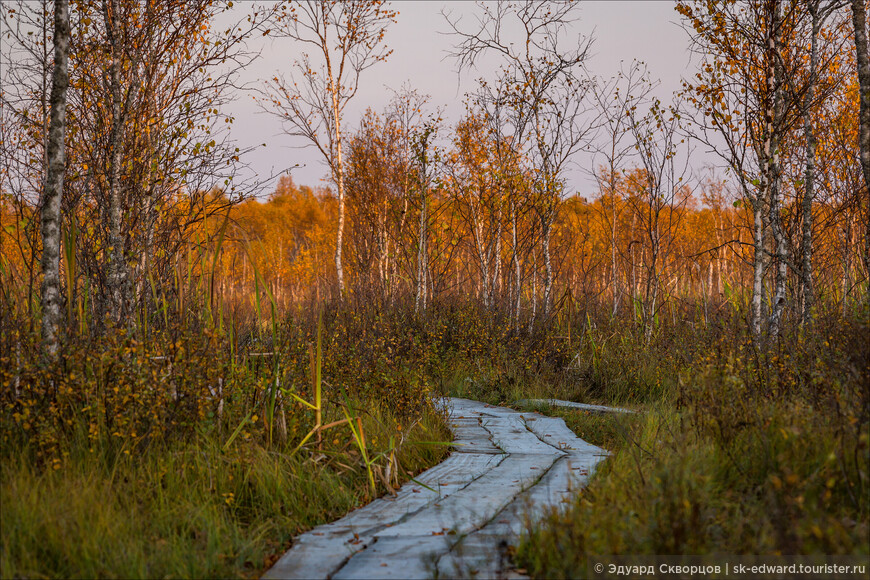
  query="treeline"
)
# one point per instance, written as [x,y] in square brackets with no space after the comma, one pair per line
[705,253]
[417,210]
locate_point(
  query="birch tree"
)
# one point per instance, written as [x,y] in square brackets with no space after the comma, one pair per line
[372,192]
[473,172]
[150,144]
[26,68]
[538,70]
[862,52]
[663,190]
[385,183]
[818,90]
[614,100]
[53,191]
[744,94]
[560,130]
[493,119]
[121,97]
[345,39]
[425,158]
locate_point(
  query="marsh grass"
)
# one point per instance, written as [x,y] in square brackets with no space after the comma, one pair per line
[184,453]
[186,509]
[752,449]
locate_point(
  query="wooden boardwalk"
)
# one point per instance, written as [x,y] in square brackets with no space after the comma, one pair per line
[505,467]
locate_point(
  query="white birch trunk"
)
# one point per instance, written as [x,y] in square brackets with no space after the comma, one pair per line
[547,226]
[613,265]
[53,187]
[422,252]
[517,272]
[773,144]
[806,288]
[496,275]
[337,162]
[757,264]
[859,21]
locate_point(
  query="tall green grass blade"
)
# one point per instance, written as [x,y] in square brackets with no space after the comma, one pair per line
[237,431]
[273,397]
[318,378]
[360,439]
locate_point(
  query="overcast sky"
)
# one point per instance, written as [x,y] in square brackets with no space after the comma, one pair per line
[622,31]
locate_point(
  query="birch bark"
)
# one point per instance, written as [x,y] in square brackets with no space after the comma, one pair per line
[53,188]
[859,22]
[117,271]
[339,163]
[348,36]
[422,252]
[757,264]
[547,227]
[517,272]
[806,288]
[772,144]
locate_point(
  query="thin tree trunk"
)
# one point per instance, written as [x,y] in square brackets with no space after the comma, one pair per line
[847,266]
[53,187]
[859,22]
[496,275]
[710,279]
[613,264]
[140,298]
[422,252]
[806,293]
[757,264]
[547,224]
[517,272]
[338,162]
[715,290]
[633,263]
[117,275]
[534,289]
[780,241]
[483,256]
[395,261]
[652,283]
[384,259]
[653,302]
[339,179]
[772,144]
[707,292]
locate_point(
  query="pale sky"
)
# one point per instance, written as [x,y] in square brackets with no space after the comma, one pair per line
[622,31]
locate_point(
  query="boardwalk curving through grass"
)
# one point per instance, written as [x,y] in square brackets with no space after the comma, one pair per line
[461,516]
